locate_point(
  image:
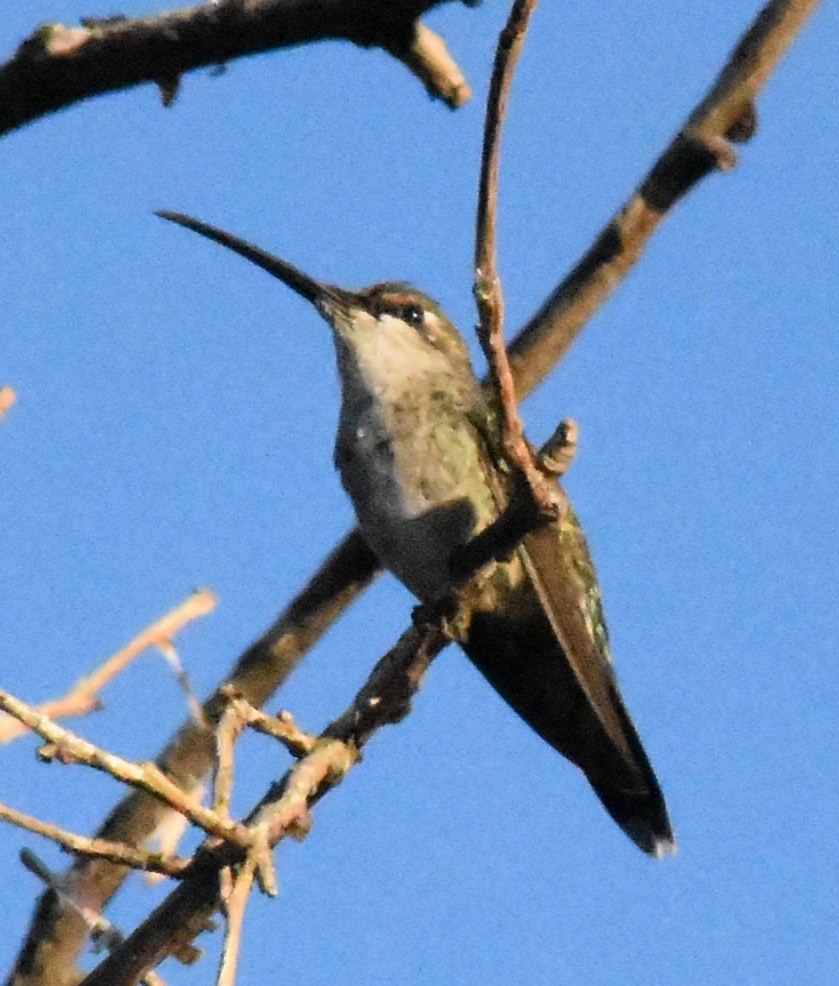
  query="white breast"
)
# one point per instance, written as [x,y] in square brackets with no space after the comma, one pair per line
[411,497]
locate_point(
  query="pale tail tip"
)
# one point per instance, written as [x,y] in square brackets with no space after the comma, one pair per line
[655,844]
[663,847]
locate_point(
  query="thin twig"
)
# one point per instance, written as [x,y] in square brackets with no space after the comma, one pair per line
[228,731]
[83,697]
[488,292]
[114,852]
[238,715]
[71,748]
[234,899]
[541,496]
[281,727]
[103,933]
[170,655]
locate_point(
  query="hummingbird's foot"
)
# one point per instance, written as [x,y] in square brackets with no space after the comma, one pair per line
[448,612]
[558,452]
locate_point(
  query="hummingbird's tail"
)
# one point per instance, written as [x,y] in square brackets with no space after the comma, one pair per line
[638,807]
[525,663]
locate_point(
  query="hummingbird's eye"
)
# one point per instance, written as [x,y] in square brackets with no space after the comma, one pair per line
[413,315]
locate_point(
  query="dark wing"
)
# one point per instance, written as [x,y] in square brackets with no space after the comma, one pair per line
[546,652]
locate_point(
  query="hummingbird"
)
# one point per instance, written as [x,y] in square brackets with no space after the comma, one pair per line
[417,451]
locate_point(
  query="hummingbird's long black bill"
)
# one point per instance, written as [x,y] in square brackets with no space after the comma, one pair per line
[307,287]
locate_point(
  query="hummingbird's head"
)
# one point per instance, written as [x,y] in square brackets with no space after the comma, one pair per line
[397,330]
[391,329]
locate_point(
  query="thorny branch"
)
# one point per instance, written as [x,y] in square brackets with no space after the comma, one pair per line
[57,936]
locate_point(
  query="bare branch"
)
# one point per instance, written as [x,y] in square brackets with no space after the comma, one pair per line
[235,895]
[281,727]
[70,748]
[170,654]
[115,852]
[538,499]
[427,56]
[488,293]
[59,65]
[103,933]
[385,698]
[66,746]
[57,935]
[83,697]
[701,147]
[228,731]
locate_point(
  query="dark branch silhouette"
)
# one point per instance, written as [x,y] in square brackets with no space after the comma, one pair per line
[60,65]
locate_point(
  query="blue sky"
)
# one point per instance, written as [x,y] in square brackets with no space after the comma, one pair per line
[175,424]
